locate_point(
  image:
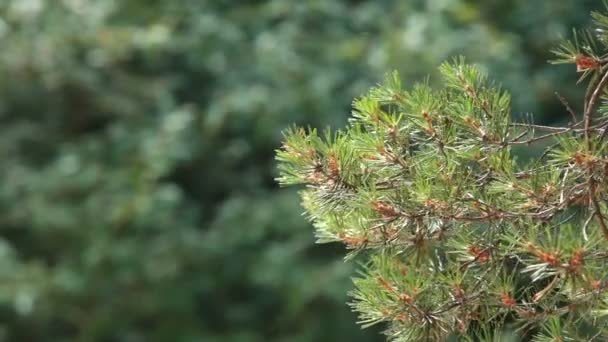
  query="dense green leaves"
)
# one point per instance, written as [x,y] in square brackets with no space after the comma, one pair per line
[138,201]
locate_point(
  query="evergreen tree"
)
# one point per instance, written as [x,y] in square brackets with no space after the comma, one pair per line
[456,235]
[137,199]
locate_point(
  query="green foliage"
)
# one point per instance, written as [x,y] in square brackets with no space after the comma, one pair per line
[457,238]
[138,202]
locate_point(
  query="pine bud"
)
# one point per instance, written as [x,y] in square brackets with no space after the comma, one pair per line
[584,63]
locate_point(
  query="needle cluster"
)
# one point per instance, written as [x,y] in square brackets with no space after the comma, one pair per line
[456,238]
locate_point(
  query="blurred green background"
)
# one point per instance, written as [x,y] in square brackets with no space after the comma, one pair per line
[137,137]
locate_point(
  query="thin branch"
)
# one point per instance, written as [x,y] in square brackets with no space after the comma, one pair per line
[529,141]
[590,105]
[554,131]
[540,127]
[596,206]
[521,135]
[568,108]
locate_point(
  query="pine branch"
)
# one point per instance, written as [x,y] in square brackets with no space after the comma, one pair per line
[456,233]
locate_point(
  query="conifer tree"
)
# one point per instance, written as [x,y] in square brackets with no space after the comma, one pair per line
[456,237]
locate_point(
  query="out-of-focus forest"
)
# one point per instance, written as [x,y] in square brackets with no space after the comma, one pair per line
[137,137]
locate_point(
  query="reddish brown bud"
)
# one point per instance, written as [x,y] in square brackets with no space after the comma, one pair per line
[507,300]
[550,258]
[577,260]
[584,63]
[385,209]
[583,159]
[458,293]
[482,255]
[406,298]
[333,166]
[401,317]
[596,284]
[435,204]
[353,241]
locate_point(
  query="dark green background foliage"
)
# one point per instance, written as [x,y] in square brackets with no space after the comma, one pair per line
[137,137]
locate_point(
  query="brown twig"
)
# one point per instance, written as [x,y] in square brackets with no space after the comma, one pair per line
[596,207]
[590,105]
[529,141]
[589,108]
[568,108]
[541,127]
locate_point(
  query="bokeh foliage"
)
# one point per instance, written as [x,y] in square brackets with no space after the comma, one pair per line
[137,199]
